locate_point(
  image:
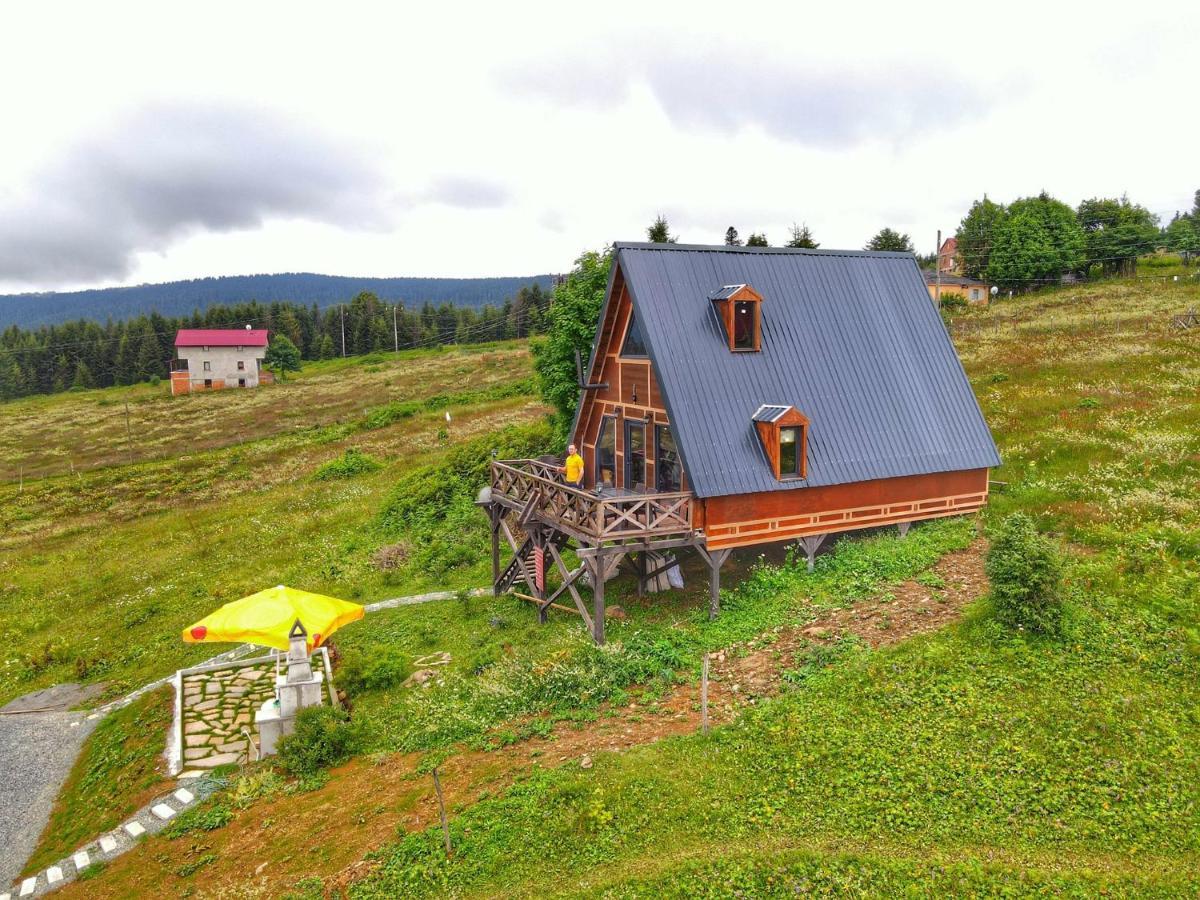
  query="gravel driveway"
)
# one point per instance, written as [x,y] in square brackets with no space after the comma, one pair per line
[37,750]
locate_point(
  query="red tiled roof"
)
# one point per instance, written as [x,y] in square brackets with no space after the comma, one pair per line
[221,337]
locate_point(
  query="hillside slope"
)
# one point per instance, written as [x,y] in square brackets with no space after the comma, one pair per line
[180,298]
[858,751]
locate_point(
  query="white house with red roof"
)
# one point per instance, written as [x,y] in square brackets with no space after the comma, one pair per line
[209,359]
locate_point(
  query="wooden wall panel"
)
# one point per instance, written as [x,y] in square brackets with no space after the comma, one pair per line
[771,516]
[624,378]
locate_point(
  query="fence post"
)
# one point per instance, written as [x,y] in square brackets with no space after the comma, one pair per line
[704,695]
[437,786]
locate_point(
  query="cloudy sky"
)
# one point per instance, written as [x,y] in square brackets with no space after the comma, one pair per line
[143,142]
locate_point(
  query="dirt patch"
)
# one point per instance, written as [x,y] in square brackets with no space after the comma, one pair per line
[913,607]
[60,697]
[272,845]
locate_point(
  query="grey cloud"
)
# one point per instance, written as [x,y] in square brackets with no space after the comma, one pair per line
[727,89]
[467,193]
[165,172]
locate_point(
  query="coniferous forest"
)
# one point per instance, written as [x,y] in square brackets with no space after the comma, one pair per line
[85,354]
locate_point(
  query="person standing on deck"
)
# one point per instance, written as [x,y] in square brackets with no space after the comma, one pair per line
[573,469]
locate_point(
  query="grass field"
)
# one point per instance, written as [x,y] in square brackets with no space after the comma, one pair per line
[964,760]
[102,570]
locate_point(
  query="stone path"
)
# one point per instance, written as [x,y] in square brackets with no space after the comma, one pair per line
[39,745]
[150,819]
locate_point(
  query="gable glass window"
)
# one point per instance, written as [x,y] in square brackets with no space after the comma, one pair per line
[745,326]
[241,365]
[606,452]
[207,366]
[668,474]
[789,452]
[635,344]
[635,454]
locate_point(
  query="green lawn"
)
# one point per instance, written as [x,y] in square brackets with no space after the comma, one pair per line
[968,761]
[102,570]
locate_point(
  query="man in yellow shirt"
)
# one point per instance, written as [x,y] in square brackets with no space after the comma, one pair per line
[573,469]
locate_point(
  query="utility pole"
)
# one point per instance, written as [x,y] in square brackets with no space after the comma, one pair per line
[937,266]
[342,312]
[395,330]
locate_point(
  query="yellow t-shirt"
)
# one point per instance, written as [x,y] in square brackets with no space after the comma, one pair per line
[574,468]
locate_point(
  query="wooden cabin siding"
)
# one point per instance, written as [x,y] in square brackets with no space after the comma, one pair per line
[626,378]
[742,519]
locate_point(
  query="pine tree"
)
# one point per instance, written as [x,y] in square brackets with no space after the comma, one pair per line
[660,232]
[888,239]
[150,361]
[83,377]
[731,237]
[757,239]
[326,350]
[802,238]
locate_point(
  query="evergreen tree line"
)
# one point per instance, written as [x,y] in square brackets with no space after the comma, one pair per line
[87,354]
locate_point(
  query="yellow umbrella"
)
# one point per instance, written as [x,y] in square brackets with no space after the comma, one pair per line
[266,618]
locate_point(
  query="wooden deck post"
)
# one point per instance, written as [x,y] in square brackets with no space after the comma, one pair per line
[903,529]
[538,536]
[715,559]
[639,562]
[596,566]
[811,544]
[494,514]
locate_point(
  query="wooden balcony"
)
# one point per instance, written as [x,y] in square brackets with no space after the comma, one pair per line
[536,489]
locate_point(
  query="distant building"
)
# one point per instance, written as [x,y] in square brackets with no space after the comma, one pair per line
[976,292]
[209,359]
[948,256]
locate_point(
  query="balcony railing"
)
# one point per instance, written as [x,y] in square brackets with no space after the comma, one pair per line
[533,485]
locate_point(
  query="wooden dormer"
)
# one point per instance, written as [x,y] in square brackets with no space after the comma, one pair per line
[740,308]
[783,431]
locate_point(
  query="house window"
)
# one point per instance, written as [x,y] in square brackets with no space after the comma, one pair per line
[208,383]
[789,452]
[207,366]
[635,344]
[239,349]
[606,452]
[667,471]
[635,454]
[974,293]
[745,325]
[241,365]
[783,431]
[241,382]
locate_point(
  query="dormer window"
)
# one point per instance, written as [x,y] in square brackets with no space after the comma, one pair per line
[745,326]
[738,307]
[783,432]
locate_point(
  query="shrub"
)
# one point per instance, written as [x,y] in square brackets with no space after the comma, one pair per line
[382,668]
[324,737]
[1025,572]
[206,817]
[952,300]
[352,462]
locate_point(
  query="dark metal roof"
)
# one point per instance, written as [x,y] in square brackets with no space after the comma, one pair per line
[952,280]
[725,291]
[850,338]
[768,413]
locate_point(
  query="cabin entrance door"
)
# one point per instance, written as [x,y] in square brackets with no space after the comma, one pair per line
[635,455]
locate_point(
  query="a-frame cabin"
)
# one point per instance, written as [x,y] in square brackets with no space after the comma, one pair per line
[738,396]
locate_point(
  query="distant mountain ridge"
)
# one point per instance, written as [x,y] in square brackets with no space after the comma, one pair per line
[179,298]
